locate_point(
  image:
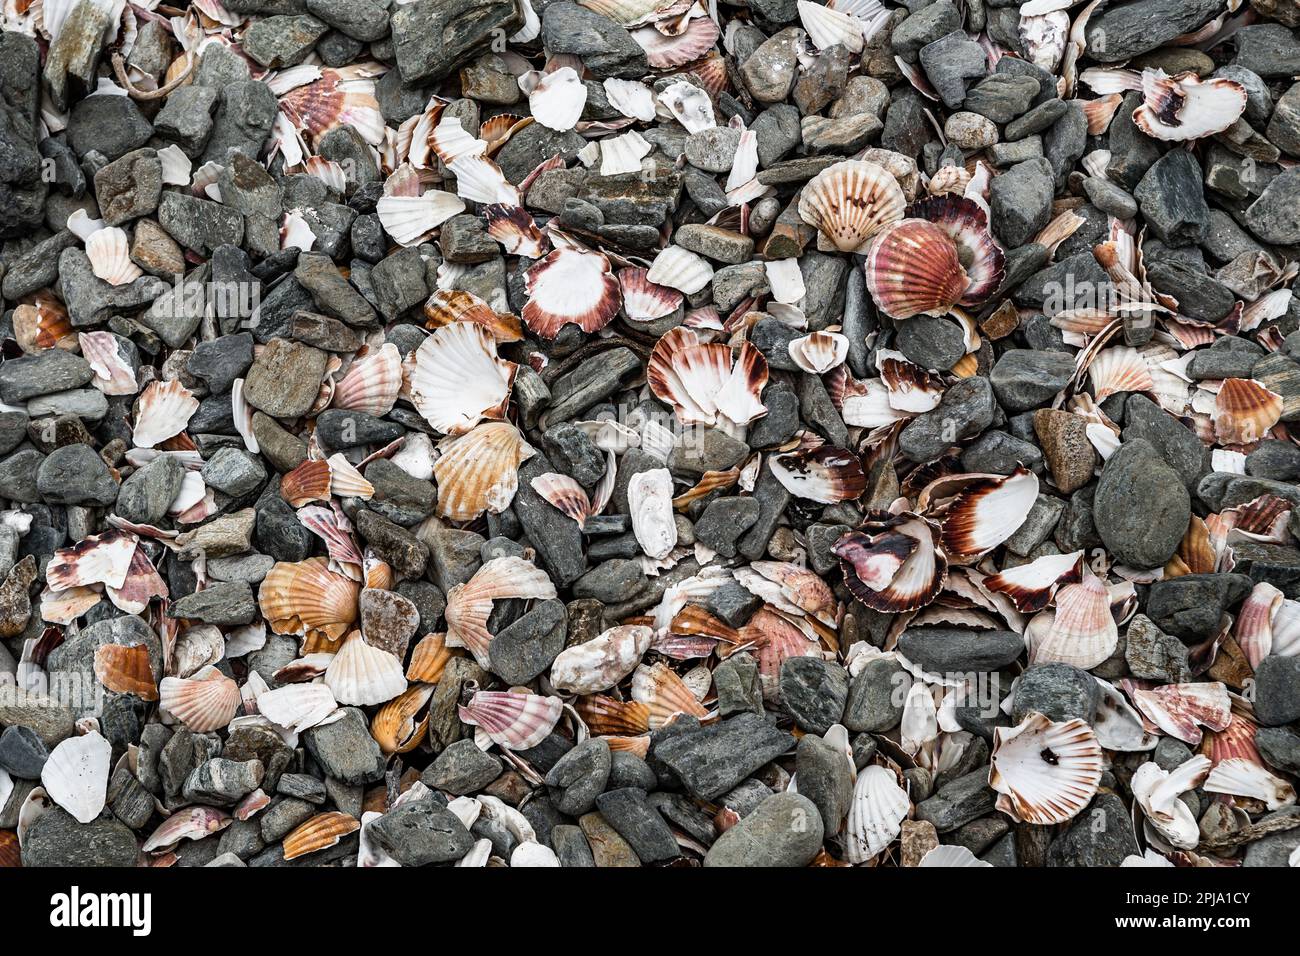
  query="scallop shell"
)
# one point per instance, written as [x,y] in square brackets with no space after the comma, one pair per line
[363,674]
[346,481]
[110,256]
[1157,791]
[429,659]
[470,604]
[819,352]
[203,703]
[1254,626]
[309,482]
[604,715]
[1245,778]
[967,225]
[1082,631]
[1117,725]
[515,229]
[703,384]
[885,572]
[371,383]
[665,52]
[410,219]
[909,388]
[75,775]
[1044,771]
[773,639]
[644,300]
[664,694]
[650,503]
[321,832]
[305,596]
[824,474]
[113,373]
[557,99]
[399,725]
[1119,369]
[297,707]
[1245,411]
[99,559]
[602,662]
[570,286]
[453,305]
[458,379]
[479,179]
[989,511]
[876,813]
[162,411]
[912,268]
[1031,586]
[479,471]
[512,720]
[1185,107]
[680,269]
[827,28]
[849,202]
[1180,710]
[43,323]
[194,823]
[126,670]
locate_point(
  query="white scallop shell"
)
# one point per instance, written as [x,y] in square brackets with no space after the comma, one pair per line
[458,379]
[680,269]
[409,219]
[361,674]
[622,154]
[827,28]
[110,256]
[555,99]
[297,707]
[876,814]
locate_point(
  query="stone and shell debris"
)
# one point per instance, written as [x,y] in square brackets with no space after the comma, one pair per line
[649,432]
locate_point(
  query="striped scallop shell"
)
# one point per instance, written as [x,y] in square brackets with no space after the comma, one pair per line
[1045,772]
[825,474]
[126,670]
[321,832]
[305,596]
[513,721]
[470,604]
[819,352]
[849,202]
[309,482]
[913,268]
[605,715]
[479,471]
[43,323]
[454,305]
[644,300]
[515,229]
[664,694]
[827,28]
[361,674]
[1081,631]
[110,256]
[400,724]
[1245,411]
[1031,586]
[458,379]
[1119,369]
[893,563]
[371,383]
[429,659]
[346,481]
[203,703]
[665,52]
[967,225]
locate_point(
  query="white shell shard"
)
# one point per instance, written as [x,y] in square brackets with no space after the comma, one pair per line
[680,269]
[76,775]
[876,814]
[951,854]
[622,154]
[297,707]
[1156,792]
[689,105]
[632,98]
[827,28]
[557,99]
[650,501]
[1241,777]
[409,219]
[533,854]
[786,280]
